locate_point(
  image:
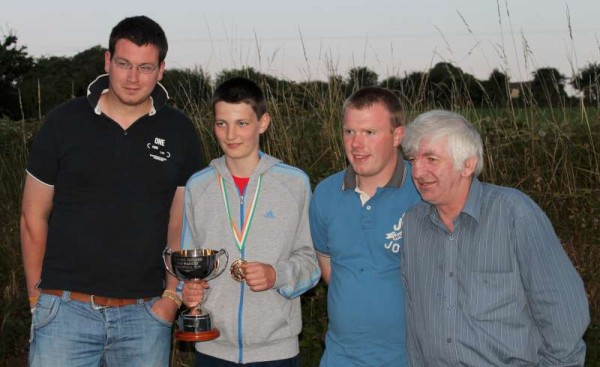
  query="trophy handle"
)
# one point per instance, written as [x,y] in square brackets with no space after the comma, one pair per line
[167,252]
[220,269]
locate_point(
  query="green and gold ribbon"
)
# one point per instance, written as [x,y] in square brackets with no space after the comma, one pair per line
[240,236]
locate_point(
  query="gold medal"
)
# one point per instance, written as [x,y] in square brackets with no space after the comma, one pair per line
[236,270]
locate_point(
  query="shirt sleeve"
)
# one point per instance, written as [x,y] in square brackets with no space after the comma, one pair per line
[554,289]
[43,159]
[318,227]
[413,348]
[187,238]
[193,156]
[301,271]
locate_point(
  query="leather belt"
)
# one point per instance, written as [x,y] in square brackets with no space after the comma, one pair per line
[95,300]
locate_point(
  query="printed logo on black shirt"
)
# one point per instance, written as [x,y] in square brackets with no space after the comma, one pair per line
[158,150]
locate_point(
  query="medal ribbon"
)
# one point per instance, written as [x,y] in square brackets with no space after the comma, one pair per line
[240,237]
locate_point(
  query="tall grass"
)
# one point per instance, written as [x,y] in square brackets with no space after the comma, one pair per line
[549,153]
[14,307]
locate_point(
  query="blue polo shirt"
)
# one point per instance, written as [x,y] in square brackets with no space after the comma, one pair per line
[365,299]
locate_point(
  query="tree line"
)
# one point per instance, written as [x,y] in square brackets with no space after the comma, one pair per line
[30,87]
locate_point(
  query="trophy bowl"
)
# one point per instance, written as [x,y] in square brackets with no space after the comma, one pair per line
[195,264]
[190,265]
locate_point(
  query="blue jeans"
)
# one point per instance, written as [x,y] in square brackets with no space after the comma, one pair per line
[70,333]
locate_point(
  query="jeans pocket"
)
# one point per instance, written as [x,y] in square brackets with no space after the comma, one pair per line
[45,311]
[148,307]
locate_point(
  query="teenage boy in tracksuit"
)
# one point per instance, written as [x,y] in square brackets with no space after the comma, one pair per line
[256,208]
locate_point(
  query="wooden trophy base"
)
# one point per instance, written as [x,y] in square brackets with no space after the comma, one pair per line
[201,336]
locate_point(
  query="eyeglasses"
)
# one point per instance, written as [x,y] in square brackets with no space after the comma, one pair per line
[142,68]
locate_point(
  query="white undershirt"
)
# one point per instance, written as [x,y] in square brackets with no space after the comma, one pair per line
[364,197]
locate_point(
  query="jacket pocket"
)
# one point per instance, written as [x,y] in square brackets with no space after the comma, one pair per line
[267,317]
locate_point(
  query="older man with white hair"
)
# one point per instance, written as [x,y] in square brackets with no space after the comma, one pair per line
[487,280]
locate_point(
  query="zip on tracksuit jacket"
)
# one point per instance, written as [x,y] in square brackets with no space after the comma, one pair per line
[254,326]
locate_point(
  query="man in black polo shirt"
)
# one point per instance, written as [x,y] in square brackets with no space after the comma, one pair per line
[103,197]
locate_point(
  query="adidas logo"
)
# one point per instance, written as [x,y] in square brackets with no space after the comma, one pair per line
[269,214]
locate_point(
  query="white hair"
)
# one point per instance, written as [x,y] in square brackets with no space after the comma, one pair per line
[464,141]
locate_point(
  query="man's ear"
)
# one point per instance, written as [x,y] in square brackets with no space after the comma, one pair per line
[469,166]
[107,59]
[264,122]
[161,70]
[398,134]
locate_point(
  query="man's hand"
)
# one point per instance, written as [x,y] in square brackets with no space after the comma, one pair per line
[165,309]
[259,276]
[193,292]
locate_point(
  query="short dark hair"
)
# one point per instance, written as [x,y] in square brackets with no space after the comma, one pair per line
[142,31]
[241,90]
[368,96]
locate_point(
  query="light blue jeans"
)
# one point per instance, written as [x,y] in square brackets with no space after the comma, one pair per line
[70,333]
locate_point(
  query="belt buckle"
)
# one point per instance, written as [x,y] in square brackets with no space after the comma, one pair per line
[95,306]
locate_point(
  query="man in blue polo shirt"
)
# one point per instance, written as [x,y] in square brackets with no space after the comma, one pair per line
[103,197]
[356,217]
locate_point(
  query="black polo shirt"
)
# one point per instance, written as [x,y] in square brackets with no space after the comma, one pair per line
[113,190]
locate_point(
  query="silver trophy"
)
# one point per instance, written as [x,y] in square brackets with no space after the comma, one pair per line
[195,264]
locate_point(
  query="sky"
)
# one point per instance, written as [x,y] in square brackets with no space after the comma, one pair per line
[314,39]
